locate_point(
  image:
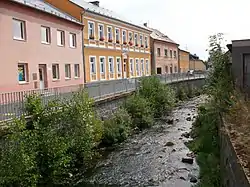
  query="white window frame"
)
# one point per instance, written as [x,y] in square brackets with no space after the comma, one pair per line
[141,40]
[22,29]
[70,75]
[89,29]
[104,63]
[26,71]
[125,37]
[113,72]
[72,40]
[90,69]
[99,31]
[146,42]
[120,64]
[147,66]
[48,34]
[137,67]
[142,72]
[131,65]
[119,35]
[77,73]
[132,40]
[61,40]
[109,27]
[57,71]
[136,40]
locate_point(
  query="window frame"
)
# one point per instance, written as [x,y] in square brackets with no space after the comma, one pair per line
[132,38]
[142,66]
[26,72]
[62,37]
[141,40]
[158,51]
[70,75]
[120,65]
[91,73]
[146,41]
[171,53]
[175,54]
[137,67]
[123,41]
[77,73]
[22,27]
[99,31]
[104,63]
[136,40]
[89,36]
[48,35]
[119,35]
[113,67]
[74,40]
[57,71]
[166,52]
[111,32]
[147,66]
[131,65]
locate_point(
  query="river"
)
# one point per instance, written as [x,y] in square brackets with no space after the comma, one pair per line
[154,156]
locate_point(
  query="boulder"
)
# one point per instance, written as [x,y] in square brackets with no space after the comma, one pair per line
[186,135]
[188,160]
[189,119]
[169,144]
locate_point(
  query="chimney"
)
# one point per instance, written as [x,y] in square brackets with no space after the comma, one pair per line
[96,3]
[145,24]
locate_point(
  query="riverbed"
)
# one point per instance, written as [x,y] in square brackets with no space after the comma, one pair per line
[153,157]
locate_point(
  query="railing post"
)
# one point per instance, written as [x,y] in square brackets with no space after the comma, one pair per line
[99,89]
[113,87]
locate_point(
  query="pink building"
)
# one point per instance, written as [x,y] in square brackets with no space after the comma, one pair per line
[40,47]
[164,53]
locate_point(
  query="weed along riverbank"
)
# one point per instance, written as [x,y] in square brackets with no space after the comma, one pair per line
[66,143]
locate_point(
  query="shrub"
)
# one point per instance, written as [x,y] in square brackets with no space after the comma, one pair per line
[181,93]
[58,147]
[118,128]
[160,96]
[140,111]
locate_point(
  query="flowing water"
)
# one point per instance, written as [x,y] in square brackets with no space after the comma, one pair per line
[146,159]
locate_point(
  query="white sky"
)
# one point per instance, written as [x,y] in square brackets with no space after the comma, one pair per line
[188,22]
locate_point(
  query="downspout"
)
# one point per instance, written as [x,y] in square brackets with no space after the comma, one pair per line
[83,55]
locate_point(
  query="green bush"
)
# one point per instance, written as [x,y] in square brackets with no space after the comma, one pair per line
[140,111]
[57,147]
[181,93]
[118,128]
[160,96]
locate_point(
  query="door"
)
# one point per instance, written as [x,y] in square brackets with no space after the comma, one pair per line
[41,78]
[125,68]
[246,74]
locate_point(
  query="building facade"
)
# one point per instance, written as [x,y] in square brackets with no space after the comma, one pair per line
[40,47]
[196,63]
[113,47]
[164,53]
[184,60]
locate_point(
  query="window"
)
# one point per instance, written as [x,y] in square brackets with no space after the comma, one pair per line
[130,35]
[136,39]
[93,65]
[158,51]
[117,35]
[124,37]
[166,69]
[23,72]
[72,40]
[102,65]
[60,38]
[77,70]
[166,52]
[175,69]
[146,41]
[131,67]
[55,71]
[142,67]
[67,71]
[141,41]
[19,32]
[174,54]
[45,34]
[171,54]
[111,65]
[158,71]
[137,66]
[110,34]
[147,66]
[91,30]
[101,32]
[118,65]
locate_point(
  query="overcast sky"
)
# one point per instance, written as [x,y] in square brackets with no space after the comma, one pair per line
[188,22]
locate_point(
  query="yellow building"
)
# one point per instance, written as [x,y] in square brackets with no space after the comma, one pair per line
[196,63]
[113,47]
[184,60]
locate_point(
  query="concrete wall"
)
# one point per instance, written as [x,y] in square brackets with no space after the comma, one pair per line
[232,174]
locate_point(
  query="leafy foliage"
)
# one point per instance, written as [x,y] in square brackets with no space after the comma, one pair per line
[118,128]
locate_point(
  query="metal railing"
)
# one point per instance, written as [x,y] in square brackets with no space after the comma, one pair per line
[12,103]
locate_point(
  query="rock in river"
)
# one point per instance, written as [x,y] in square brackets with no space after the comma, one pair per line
[193,179]
[169,144]
[186,135]
[189,119]
[188,160]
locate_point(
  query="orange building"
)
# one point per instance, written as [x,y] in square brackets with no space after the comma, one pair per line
[184,60]
[114,48]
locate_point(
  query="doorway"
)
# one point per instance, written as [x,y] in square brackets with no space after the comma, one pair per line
[42,76]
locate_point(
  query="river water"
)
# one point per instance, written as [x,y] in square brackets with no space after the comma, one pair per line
[146,159]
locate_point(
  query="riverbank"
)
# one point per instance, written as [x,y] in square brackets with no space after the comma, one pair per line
[154,156]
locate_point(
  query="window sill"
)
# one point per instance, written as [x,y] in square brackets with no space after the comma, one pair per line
[45,43]
[19,39]
[59,45]
[77,77]
[72,47]
[23,82]
[67,78]
[55,80]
